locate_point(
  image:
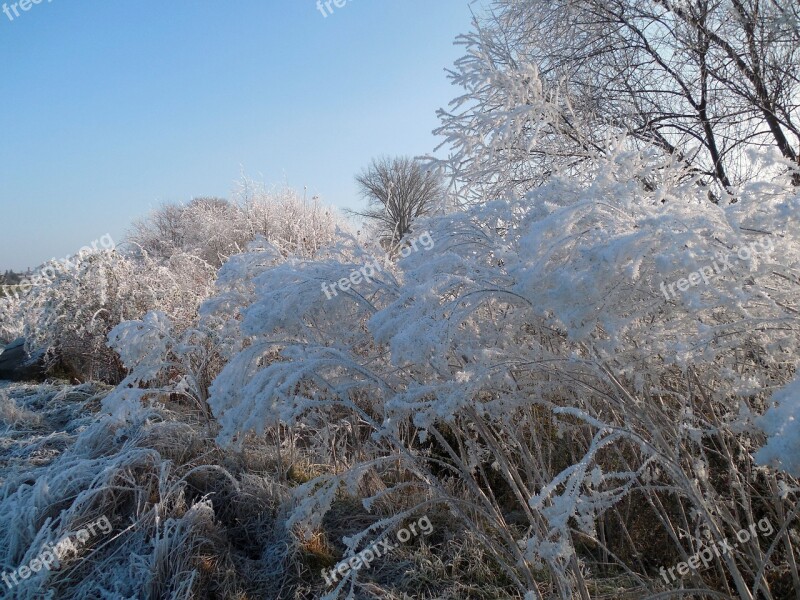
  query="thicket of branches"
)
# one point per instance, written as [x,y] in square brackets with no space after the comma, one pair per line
[711,83]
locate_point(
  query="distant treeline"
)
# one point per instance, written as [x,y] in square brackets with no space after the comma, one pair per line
[10,278]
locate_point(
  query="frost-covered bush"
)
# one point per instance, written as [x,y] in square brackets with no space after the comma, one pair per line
[167,352]
[11,325]
[72,316]
[163,359]
[530,374]
[296,226]
[169,267]
[205,228]
[213,229]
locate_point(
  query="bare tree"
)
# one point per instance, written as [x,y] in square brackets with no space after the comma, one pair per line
[398,191]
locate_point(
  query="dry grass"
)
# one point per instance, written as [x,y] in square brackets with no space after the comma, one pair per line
[190,520]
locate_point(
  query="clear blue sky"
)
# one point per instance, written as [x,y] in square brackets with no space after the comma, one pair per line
[110,108]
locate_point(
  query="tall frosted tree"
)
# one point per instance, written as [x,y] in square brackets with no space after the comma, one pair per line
[549,86]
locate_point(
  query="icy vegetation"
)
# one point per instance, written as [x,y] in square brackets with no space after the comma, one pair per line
[588,377]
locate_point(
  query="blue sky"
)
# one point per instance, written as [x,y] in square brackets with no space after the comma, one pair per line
[112,108]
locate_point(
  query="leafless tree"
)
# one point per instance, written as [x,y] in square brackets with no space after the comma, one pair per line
[398,191]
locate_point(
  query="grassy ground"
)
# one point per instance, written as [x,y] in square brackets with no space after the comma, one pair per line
[191,520]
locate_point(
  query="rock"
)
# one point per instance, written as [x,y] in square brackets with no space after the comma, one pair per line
[16,364]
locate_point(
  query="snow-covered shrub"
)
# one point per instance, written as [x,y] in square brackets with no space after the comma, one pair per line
[530,369]
[170,267]
[162,359]
[11,325]
[213,229]
[169,353]
[72,316]
[205,228]
[297,226]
